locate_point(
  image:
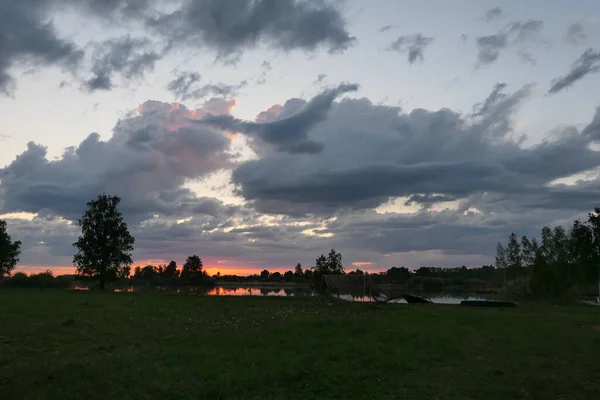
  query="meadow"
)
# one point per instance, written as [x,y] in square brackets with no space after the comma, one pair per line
[90,345]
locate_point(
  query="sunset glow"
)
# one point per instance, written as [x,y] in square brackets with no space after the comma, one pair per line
[256,151]
[210,269]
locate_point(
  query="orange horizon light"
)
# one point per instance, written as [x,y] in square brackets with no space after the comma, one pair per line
[210,269]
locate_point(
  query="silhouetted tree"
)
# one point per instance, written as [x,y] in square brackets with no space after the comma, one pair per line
[105,245]
[547,248]
[149,272]
[275,276]
[288,276]
[513,256]
[192,270]
[528,249]
[264,275]
[332,264]
[424,271]
[298,271]
[9,251]
[583,251]
[125,272]
[170,271]
[308,274]
[500,257]
[563,259]
[398,275]
[594,223]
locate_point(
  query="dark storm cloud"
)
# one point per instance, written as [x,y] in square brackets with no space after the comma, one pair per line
[448,231]
[111,8]
[27,37]
[127,57]
[576,34]
[185,87]
[587,63]
[374,153]
[233,26]
[491,46]
[493,14]
[414,45]
[146,161]
[371,154]
[288,133]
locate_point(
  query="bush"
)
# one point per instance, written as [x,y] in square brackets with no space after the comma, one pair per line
[19,280]
[43,280]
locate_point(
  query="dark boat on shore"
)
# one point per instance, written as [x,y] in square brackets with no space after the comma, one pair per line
[416,299]
[487,303]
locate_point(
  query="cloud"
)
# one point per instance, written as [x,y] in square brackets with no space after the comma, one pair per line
[289,131]
[373,154]
[125,56]
[320,79]
[493,14]
[576,34]
[185,87]
[393,187]
[493,99]
[183,84]
[490,47]
[526,31]
[386,28]
[515,33]
[147,160]
[526,57]
[27,37]
[262,79]
[414,45]
[120,9]
[587,63]
[234,26]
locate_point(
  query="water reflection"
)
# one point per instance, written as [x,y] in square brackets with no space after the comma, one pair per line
[437,298]
[128,289]
[246,291]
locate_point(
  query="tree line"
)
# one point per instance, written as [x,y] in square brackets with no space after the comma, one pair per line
[560,261]
[104,250]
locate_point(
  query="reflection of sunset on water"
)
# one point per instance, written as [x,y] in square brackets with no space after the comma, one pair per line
[221,291]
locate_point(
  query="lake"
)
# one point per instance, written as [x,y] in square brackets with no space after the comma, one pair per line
[438,298]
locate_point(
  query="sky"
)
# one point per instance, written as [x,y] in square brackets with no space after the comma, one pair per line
[259,134]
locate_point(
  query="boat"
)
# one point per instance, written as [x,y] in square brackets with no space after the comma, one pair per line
[487,303]
[416,299]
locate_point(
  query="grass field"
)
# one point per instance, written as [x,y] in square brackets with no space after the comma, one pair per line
[86,345]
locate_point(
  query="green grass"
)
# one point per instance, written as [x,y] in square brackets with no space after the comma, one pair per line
[68,345]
